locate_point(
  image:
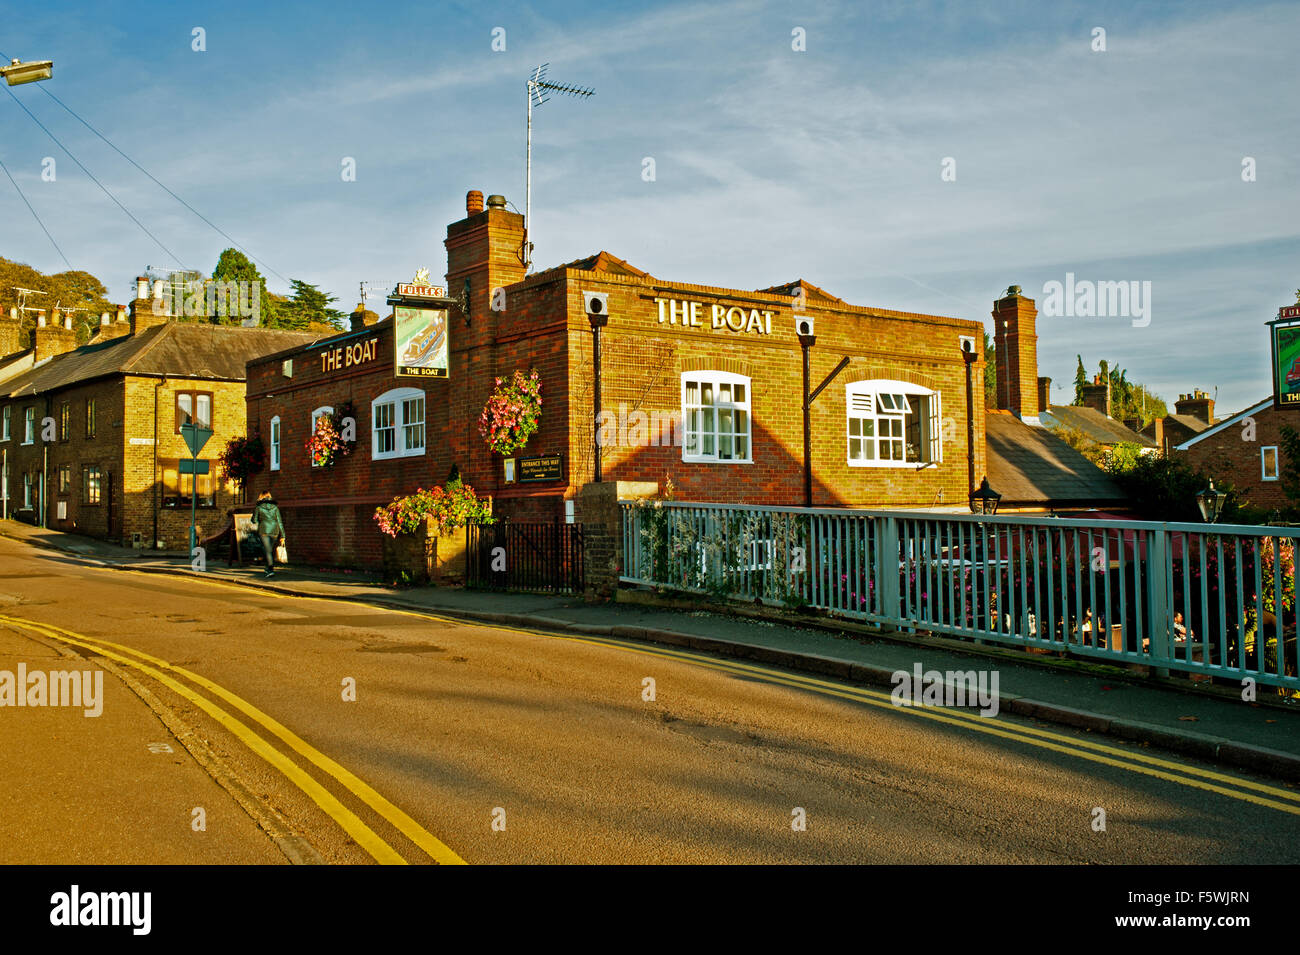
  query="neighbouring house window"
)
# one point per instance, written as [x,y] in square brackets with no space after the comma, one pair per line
[316,416]
[892,424]
[193,407]
[90,484]
[90,417]
[397,424]
[65,478]
[29,425]
[4,424]
[275,443]
[716,412]
[1268,463]
[65,421]
[286,368]
[62,508]
[176,486]
[27,490]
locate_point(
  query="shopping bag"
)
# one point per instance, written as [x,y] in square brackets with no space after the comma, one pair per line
[281,553]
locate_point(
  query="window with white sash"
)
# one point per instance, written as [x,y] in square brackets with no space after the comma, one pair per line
[892,424]
[716,416]
[275,443]
[397,424]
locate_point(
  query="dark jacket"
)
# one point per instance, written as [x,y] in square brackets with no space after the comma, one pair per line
[266,518]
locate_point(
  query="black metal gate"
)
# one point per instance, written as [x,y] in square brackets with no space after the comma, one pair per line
[524,556]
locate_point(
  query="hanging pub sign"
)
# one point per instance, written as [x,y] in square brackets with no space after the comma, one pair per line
[420,328]
[1286,357]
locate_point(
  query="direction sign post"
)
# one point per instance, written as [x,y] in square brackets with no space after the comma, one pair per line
[195,438]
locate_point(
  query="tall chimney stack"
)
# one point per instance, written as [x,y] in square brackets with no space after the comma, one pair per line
[1016,342]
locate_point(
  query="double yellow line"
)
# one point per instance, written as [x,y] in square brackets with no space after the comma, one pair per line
[352,824]
[1235,787]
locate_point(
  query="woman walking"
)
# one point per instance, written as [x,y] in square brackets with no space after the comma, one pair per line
[270,527]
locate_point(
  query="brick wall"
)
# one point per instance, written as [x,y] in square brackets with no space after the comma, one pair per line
[1226,456]
[543,326]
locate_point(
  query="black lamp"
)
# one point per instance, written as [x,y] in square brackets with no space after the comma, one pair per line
[1210,501]
[984,500]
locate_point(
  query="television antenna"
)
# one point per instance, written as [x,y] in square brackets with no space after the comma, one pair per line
[367,286]
[539,91]
[22,297]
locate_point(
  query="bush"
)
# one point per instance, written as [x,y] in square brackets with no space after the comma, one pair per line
[449,508]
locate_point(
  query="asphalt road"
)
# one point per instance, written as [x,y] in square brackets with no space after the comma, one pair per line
[491,745]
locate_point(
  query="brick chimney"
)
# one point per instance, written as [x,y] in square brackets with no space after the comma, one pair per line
[1097,394]
[1044,393]
[485,247]
[147,313]
[1016,343]
[10,329]
[56,338]
[1198,404]
[362,317]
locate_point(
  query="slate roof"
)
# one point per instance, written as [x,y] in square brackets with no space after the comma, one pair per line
[1030,466]
[1093,424]
[1190,422]
[179,349]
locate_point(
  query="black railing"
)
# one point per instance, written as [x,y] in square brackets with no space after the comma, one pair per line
[525,556]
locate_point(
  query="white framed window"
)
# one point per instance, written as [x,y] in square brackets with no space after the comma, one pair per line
[716,417]
[275,443]
[27,490]
[4,424]
[1268,463]
[892,424]
[29,425]
[397,424]
[316,416]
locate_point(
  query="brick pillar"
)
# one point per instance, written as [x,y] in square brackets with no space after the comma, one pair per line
[596,509]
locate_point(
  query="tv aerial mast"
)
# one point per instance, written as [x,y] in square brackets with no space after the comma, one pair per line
[539,90]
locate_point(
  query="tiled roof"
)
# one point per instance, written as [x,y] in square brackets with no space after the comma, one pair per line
[811,292]
[1093,424]
[181,349]
[1032,466]
[603,262]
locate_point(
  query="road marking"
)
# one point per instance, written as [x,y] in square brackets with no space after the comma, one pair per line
[1194,776]
[351,823]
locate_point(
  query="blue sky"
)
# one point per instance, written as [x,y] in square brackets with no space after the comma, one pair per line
[770,164]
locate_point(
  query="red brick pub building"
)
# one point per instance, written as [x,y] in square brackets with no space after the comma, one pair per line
[701,386]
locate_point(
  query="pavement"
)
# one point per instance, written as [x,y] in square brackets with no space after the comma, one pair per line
[1208,723]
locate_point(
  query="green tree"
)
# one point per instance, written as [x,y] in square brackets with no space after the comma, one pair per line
[1080,380]
[234,266]
[307,306]
[1288,471]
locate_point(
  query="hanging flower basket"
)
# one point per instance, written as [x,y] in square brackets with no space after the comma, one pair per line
[511,414]
[242,458]
[326,444]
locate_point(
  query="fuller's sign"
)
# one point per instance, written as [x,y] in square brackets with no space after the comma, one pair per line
[419,328]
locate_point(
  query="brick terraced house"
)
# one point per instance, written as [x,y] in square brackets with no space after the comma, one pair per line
[701,385]
[90,437]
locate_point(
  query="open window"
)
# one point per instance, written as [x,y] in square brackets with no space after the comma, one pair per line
[892,424]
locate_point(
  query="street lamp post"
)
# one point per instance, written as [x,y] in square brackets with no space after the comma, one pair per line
[984,500]
[17,73]
[1210,501]
[968,355]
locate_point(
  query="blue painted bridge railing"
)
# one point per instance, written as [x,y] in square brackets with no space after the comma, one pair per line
[1216,600]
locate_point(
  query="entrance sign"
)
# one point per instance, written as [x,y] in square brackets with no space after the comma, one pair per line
[420,328]
[548,467]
